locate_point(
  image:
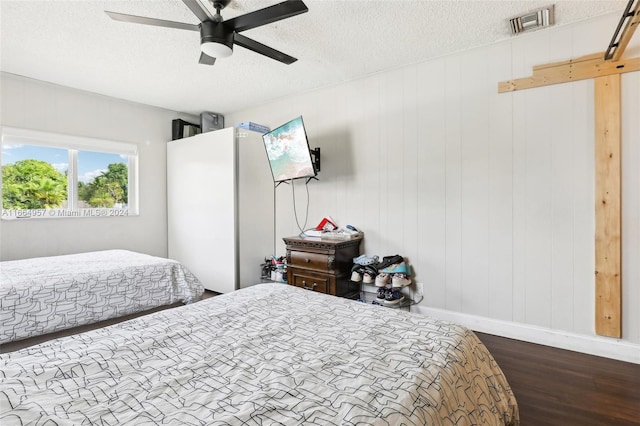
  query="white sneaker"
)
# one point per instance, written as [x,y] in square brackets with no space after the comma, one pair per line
[382,280]
[368,278]
[400,280]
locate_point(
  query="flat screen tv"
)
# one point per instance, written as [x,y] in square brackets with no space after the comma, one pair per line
[288,152]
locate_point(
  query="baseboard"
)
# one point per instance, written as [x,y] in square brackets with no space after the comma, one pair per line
[593,345]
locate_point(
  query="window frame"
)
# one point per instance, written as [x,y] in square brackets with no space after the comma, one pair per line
[73,144]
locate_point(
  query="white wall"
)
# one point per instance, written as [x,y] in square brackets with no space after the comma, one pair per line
[36,105]
[489,196]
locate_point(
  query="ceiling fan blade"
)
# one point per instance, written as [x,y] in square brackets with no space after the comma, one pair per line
[267,15]
[199,10]
[260,48]
[206,59]
[151,21]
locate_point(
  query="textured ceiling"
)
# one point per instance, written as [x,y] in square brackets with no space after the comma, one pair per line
[74,43]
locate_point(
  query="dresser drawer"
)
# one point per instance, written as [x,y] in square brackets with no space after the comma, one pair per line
[309,260]
[322,265]
[310,283]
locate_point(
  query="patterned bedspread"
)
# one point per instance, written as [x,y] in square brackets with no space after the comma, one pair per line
[268,354]
[47,294]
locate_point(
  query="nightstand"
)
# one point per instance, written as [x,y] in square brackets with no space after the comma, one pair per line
[323,265]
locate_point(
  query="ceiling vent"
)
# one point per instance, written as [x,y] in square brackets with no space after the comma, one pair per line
[533,20]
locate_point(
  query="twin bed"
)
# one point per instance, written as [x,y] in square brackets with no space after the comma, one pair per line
[48,294]
[267,354]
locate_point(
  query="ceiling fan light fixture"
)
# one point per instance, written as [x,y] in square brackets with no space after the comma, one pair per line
[215,40]
[218,36]
[216,49]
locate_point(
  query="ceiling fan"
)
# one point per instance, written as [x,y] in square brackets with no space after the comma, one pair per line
[218,36]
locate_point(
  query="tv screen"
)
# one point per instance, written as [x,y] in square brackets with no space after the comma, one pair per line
[288,151]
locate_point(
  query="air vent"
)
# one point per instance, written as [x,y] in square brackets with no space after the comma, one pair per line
[533,20]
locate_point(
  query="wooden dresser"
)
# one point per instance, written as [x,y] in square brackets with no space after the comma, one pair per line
[323,265]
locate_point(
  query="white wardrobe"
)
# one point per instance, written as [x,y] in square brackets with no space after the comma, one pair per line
[220,197]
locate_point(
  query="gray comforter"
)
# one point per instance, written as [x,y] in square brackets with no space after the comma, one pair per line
[268,354]
[47,294]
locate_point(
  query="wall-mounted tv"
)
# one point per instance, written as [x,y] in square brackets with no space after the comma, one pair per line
[288,151]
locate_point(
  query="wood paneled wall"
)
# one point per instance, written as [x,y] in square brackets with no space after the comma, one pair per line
[490,197]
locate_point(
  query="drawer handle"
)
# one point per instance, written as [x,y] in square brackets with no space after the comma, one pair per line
[307,260]
[304,285]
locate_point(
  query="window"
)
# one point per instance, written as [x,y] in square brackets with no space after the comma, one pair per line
[53,175]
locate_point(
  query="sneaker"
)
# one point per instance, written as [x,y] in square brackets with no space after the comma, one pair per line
[365,260]
[400,280]
[394,297]
[382,280]
[397,268]
[390,260]
[369,275]
[382,293]
[356,273]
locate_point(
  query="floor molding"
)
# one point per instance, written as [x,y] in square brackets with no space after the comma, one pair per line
[593,345]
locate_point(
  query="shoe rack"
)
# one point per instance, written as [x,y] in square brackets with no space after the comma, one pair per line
[369,293]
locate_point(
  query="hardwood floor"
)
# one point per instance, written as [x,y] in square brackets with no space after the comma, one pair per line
[208,293]
[565,388]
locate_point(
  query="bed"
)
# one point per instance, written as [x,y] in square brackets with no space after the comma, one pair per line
[48,294]
[263,355]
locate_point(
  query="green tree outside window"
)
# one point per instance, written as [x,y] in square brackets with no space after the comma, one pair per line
[35,184]
[32,184]
[107,189]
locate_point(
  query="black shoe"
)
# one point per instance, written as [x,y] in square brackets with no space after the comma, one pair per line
[369,274]
[390,260]
[394,297]
[382,293]
[356,273]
